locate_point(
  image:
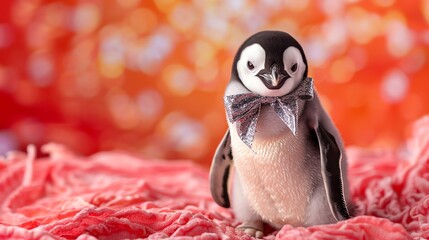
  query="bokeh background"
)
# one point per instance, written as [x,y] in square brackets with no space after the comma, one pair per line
[148,76]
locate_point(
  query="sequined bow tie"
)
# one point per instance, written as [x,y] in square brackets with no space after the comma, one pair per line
[244,109]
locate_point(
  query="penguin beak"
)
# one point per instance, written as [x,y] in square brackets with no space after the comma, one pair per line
[273,78]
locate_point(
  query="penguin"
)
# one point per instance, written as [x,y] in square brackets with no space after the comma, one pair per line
[275,166]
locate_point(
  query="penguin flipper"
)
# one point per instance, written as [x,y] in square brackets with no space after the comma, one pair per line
[331,156]
[219,172]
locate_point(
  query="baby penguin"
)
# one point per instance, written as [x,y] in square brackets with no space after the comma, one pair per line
[282,160]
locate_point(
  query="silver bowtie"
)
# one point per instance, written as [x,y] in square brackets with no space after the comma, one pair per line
[244,109]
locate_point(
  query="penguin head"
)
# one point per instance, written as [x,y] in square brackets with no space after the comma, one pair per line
[270,63]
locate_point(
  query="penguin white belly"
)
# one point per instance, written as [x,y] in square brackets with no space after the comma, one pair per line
[273,171]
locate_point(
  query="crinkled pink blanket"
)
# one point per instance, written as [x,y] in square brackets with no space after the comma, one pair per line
[115,195]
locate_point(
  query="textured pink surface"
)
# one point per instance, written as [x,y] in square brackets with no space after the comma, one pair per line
[115,195]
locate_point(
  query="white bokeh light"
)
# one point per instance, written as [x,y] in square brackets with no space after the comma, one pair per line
[394,86]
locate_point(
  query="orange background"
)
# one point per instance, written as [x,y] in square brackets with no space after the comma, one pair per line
[148,76]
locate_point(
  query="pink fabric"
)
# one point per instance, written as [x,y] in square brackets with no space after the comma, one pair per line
[114,195]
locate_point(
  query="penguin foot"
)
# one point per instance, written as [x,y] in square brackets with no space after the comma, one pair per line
[254,229]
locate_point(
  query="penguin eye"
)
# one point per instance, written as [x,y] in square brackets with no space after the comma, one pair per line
[250,65]
[293,61]
[294,67]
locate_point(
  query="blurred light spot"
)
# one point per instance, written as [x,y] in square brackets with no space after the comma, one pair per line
[156,49]
[342,70]
[111,56]
[284,23]
[5,36]
[188,134]
[179,79]
[81,56]
[8,142]
[184,17]
[236,5]
[40,68]
[316,51]
[425,36]
[30,131]
[150,104]
[364,26]
[252,20]
[400,39]
[425,9]
[165,5]
[23,11]
[124,111]
[56,16]
[185,134]
[384,3]
[394,86]
[415,61]
[291,4]
[143,20]
[85,18]
[7,82]
[128,3]
[38,35]
[331,7]
[207,75]
[359,57]
[335,34]
[201,53]
[111,70]
[211,24]
[87,84]
[394,15]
